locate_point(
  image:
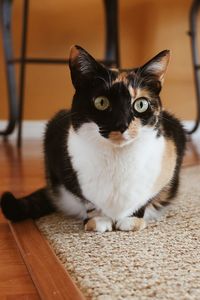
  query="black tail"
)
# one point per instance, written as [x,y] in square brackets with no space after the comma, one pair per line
[32,206]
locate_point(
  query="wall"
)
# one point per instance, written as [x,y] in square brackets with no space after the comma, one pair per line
[146,27]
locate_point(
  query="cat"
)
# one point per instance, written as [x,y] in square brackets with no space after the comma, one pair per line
[114,159]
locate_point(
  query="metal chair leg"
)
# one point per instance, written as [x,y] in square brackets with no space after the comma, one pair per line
[22,68]
[111,20]
[195,57]
[5,18]
[111,55]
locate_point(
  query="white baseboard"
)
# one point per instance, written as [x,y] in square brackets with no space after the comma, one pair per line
[188,125]
[195,137]
[35,129]
[30,129]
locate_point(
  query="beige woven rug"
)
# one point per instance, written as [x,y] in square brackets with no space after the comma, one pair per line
[160,262]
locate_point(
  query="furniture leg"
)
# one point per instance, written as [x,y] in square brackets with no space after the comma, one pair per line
[5,20]
[195,58]
[22,69]
[112,43]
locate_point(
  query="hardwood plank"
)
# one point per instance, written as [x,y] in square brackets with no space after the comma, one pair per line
[22,297]
[15,281]
[49,276]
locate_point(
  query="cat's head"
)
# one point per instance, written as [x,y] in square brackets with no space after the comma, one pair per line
[113,104]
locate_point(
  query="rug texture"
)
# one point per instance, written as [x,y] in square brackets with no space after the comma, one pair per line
[160,262]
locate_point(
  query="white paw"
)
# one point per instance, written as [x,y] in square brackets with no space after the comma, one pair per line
[100,224]
[130,224]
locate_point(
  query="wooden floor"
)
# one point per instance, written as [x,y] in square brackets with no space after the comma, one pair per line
[27,264]
[19,172]
[22,172]
[15,281]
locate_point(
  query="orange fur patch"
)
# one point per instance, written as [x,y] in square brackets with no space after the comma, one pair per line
[132,91]
[137,93]
[90,225]
[134,128]
[116,137]
[142,93]
[167,167]
[122,77]
[138,224]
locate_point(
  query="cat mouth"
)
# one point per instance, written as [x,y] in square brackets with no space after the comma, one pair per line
[120,139]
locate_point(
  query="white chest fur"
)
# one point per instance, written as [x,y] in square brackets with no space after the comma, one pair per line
[118,180]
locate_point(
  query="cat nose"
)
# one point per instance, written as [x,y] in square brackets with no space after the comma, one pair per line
[121,126]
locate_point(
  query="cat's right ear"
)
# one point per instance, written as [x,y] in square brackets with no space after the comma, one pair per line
[83,66]
[157,66]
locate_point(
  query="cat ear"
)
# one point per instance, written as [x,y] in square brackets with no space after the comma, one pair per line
[83,66]
[157,66]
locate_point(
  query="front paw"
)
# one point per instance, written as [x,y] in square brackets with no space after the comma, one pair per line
[99,224]
[130,224]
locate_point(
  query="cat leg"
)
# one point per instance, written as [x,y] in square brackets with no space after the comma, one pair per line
[68,203]
[152,211]
[97,222]
[130,224]
[158,205]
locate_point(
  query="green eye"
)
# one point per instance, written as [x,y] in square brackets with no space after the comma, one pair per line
[101,103]
[141,105]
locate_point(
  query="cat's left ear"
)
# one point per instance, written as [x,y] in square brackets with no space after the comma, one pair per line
[157,66]
[83,66]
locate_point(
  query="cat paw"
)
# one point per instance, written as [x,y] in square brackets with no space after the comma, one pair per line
[99,224]
[130,224]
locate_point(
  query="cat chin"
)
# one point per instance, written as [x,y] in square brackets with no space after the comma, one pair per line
[121,143]
[91,132]
[119,139]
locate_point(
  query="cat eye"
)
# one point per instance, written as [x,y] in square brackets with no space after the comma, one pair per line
[141,105]
[101,103]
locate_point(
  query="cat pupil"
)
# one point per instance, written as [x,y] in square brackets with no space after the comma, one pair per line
[141,104]
[101,102]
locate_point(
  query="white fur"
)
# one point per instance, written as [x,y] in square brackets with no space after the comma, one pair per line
[102,224]
[153,214]
[70,204]
[156,67]
[116,179]
[130,223]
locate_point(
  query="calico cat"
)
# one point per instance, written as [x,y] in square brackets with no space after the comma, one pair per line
[114,159]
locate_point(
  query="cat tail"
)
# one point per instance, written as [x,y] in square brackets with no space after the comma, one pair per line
[32,206]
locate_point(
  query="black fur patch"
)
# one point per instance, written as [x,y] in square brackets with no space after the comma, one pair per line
[32,206]
[59,170]
[173,129]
